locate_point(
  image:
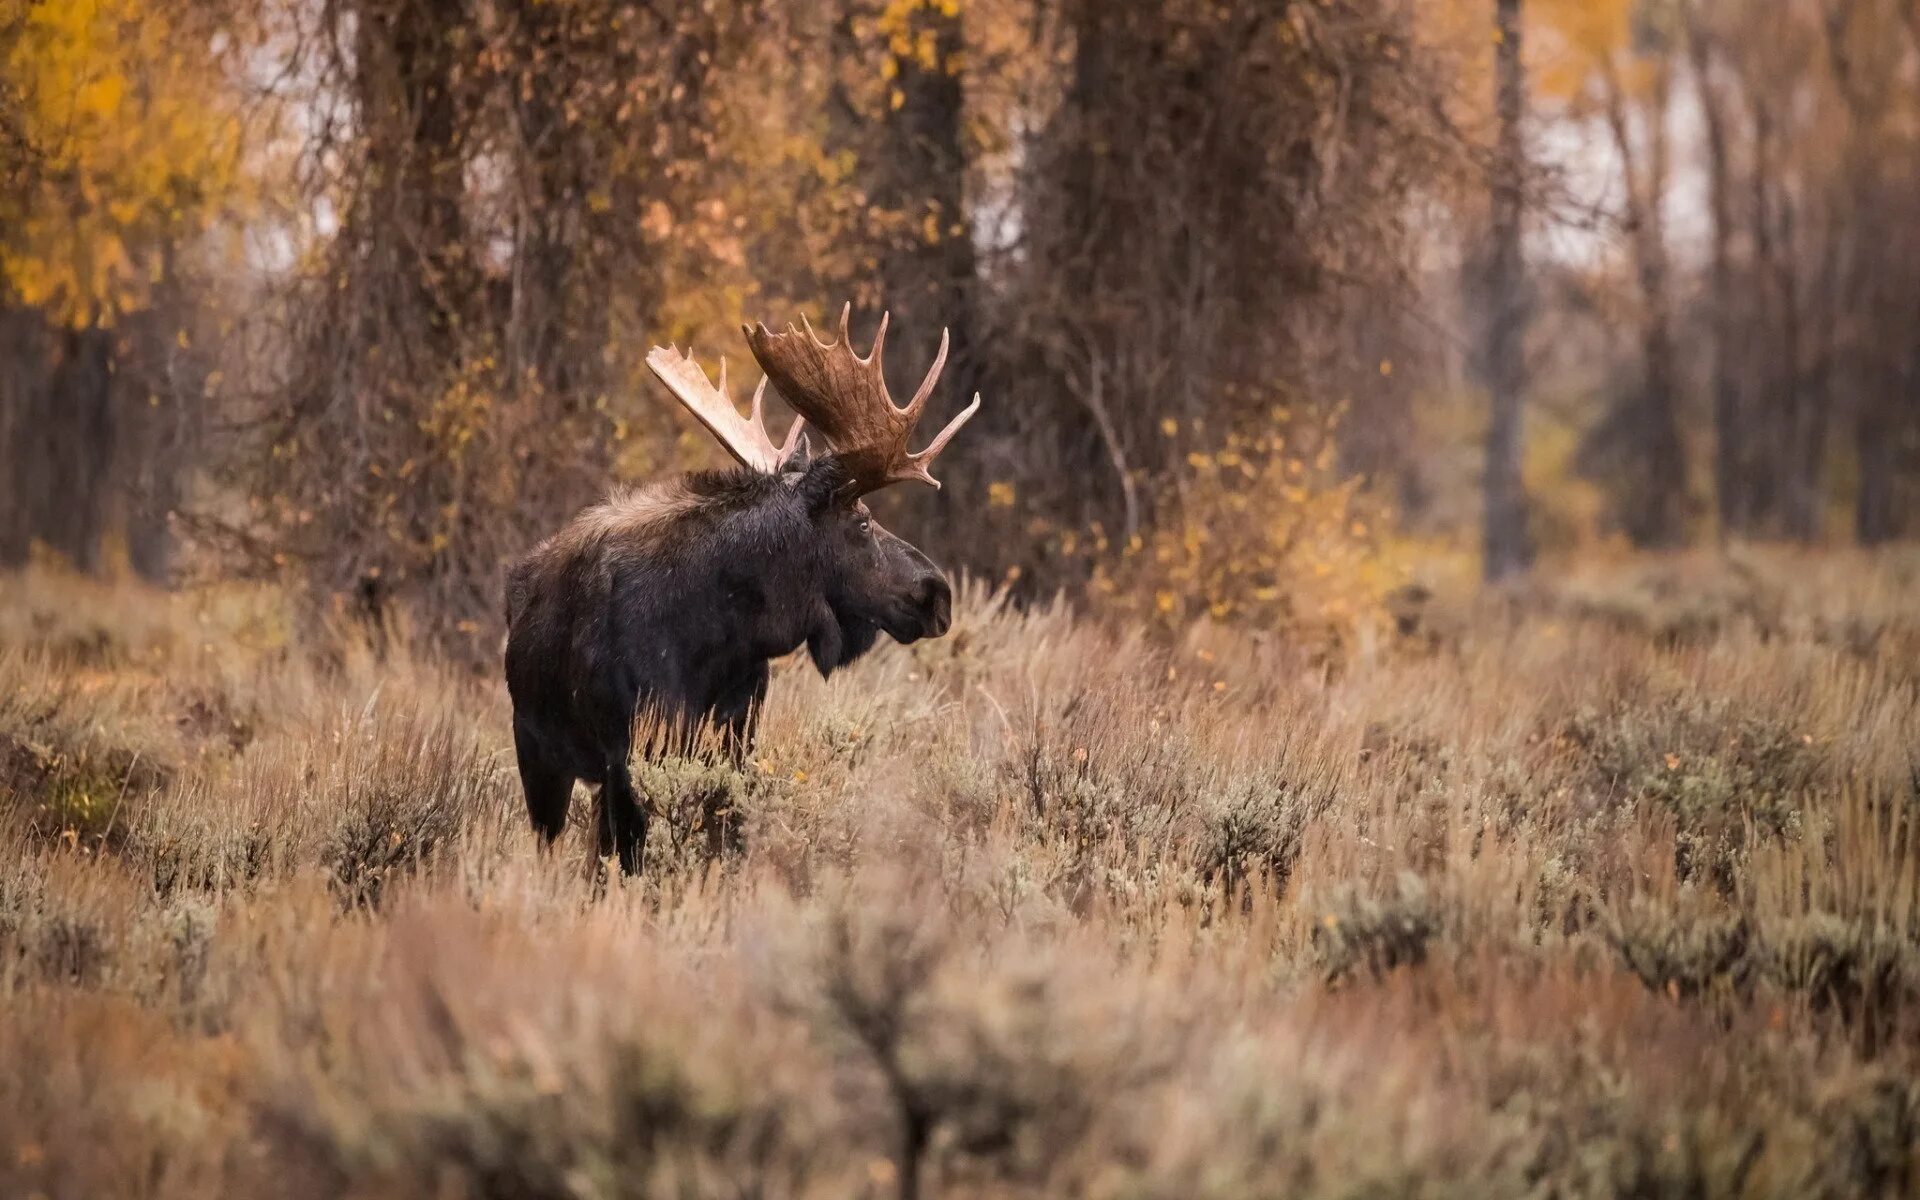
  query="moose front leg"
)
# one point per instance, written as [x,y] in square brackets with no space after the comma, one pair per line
[623,819]
[735,725]
[548,788]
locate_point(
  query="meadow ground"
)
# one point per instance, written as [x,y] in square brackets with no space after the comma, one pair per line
[1609,887]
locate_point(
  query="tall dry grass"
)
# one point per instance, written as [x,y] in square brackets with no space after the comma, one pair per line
[1611,888]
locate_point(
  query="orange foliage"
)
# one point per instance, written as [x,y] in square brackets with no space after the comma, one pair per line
[136,145]
[1265,532]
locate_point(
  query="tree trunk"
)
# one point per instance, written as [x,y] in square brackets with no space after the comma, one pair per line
[1875,513]
[1870,234]
[1790,428]
[1728,474]
[1816,393]
[96,432]
[60,440]
[416,157]
[928,271]
[1656,502]
[19,361]
[1505,545]
[1775,360]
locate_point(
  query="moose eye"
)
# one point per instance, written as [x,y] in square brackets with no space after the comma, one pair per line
[866,526]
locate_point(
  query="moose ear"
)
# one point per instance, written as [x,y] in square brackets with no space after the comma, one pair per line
[796,462]
[825,480]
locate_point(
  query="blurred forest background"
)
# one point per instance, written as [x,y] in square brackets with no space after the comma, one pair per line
[1269,299]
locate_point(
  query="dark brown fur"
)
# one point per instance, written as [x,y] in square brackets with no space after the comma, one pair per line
[671,600]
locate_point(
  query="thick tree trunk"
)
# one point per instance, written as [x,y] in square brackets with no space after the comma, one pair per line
[913,163]
[1816,393]
[1875,513]
[1792,414]
[19,361]
[1868,231]
[96,430]
[1505,544]
[1659,516]
[406,82]
[929,272]
[1655,511]
[61,441]
[158,417]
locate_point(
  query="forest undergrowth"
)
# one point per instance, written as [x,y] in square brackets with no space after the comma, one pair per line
[1605,886]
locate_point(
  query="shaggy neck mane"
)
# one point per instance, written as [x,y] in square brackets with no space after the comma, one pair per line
[670,508]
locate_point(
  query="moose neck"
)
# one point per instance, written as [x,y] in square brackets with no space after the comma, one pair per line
[762,552]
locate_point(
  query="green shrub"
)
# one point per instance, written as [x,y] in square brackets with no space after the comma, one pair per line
[1722,777]
[1682,950]
[1865,973]
[1375,932]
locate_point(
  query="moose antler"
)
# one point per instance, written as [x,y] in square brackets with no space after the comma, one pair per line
[845,397]
[745,439]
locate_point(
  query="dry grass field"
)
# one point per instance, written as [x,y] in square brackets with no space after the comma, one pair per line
[1610,887]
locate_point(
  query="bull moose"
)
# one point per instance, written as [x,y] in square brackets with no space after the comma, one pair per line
[670,600]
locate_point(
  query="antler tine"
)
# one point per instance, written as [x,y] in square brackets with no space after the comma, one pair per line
[941,439]
[925,391]
[759,415]
[874,355]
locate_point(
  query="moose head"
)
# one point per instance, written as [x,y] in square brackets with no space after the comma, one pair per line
[871,580]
